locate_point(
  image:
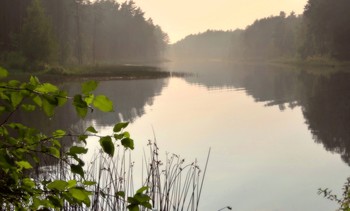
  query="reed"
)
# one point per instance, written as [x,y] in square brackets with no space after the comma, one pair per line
[171,184]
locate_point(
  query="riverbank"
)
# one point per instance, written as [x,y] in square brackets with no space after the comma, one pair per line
[312,62]
[97,72]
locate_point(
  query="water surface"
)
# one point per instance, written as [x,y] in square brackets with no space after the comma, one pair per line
[277,135]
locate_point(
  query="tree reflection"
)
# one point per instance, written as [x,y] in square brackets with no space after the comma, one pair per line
[324,98]
[327,112]
[130,98]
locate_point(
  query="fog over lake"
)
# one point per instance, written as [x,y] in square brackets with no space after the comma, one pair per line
[274,135]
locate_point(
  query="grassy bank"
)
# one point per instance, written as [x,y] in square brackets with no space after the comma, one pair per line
[97,72]
[312,62]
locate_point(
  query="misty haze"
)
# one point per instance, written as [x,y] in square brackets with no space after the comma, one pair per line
[174,105]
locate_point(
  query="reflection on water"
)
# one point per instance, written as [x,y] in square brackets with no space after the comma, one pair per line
[262,122]
[129,96]
[324,99]
[326,108]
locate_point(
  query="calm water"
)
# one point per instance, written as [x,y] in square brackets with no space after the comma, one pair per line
[276,135]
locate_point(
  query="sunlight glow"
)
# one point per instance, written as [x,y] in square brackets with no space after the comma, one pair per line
[180,18]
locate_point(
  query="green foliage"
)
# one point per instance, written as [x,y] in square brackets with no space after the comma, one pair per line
[344,201]
[118,127]
[107,145]
[326,29]
[103,103]
[139,199]
[56,31]
[3,73]
[89,86]
[271,37]
[212,44]
[22,147]
[38,43]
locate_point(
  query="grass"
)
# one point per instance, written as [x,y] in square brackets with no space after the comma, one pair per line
[105,72]
[172,184]
[314,61]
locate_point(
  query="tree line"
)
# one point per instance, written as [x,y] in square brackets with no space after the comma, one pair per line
[322,31]
[77,32]
[211,44]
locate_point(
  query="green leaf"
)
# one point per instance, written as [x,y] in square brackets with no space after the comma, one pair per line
[36,204]
[89,98]
[107,145]
[37,100]
[16,98]
[81,111]
[103,103]
[62,98]
[28,182]
[72,183]
[133,207]
[24,164]
[55,152]
[89,183]
[14,83]
[5,161]
[53,100]
[47,203]
[28,107]
[89,86]
[91,129]
[49,109]
[56,143]
[118,127]
[78,150]
[118,136]
[120,194]
[79,194]
[34,81]
[59,185]
[141,190]
[128,143]
[77,169]
[83,138]
[59,133]
[87,201]
[80,106]
[4,96]
[141,198]
[3,73]
[146,204]
[126,134]
[46,88]
[56,201]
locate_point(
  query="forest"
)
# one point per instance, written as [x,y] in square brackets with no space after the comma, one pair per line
[212,44]
[76,32]
[36,33]
[321,32]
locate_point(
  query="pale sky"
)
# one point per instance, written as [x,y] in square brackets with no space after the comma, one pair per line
[180,18]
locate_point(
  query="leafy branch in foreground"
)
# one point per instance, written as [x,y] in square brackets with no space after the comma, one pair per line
[22,147]
[344,201]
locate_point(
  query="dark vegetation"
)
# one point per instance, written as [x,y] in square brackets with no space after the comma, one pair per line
[209,45]
[318,36]
[38,35]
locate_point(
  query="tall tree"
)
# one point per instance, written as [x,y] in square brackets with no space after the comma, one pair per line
[38,43]
[327,28]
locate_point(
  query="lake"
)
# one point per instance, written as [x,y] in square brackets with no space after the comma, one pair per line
[276,134]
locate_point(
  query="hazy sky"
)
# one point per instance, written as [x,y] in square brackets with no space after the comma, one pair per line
[183,17]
